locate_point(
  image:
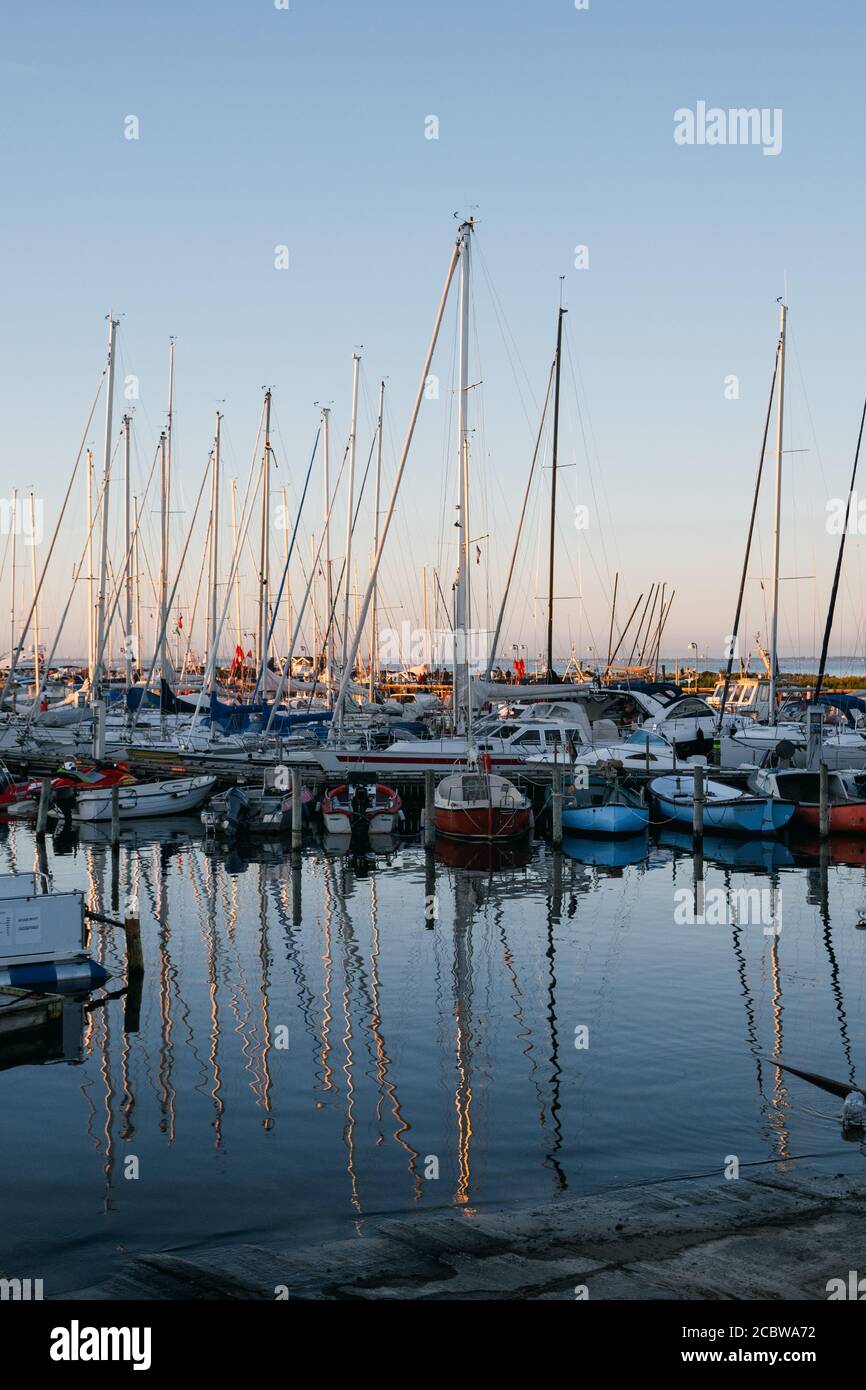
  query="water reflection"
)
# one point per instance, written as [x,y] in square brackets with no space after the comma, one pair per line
[375,1029]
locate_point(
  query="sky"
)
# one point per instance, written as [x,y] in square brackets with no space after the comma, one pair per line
[308,127]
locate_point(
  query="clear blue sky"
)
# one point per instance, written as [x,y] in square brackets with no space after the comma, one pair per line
[261,126]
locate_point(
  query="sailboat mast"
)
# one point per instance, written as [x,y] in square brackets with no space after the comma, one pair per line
[350,507]
[239,641]
[91,577]
[329,645]
[780,421]
[461,597]
[12,576]
[127,512]
[374,634]
[285,499]
[106,484]
[562,313]
[137,573]
[263,548]
[163,552]
[36,676]
[213,560]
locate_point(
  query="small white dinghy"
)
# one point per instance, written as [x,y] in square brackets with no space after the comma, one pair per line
[170,797]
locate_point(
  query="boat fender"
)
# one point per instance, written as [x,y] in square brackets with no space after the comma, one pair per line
[854,1111]
[486,762]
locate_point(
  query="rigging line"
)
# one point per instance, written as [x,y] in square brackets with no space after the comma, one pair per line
[279,598]
[592,462]
[507,334]
[343,566]
[833,593]
[16,654]
[520,520]
[736,627]
[246,515]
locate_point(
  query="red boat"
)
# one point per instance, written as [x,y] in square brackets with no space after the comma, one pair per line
[481,806]
[846,797]
[21,798]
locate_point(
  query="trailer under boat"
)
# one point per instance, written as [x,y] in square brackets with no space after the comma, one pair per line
[480,805]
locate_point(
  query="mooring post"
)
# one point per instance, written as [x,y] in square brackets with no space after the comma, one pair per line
[823,802]
[429,810]
[556,805]
[646,749]
[297,811]
[132,928]
[698,806]
[42,812]
[115,816]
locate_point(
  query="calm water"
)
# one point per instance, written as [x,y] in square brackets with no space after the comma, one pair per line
[410,1041]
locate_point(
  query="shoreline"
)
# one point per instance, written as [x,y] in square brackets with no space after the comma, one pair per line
[782,1234]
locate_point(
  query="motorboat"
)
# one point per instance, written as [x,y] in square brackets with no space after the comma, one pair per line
[347,806]
[726,808]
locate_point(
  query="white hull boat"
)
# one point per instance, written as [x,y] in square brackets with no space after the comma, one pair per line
[171,797]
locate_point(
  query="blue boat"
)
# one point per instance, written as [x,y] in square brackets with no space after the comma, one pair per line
[604,807]
[607,854]
[726,809]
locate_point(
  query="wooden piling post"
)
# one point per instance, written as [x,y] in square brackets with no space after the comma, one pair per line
[429,810]
[698,806]
[823,802]
[297,810]
[42,811]
[115,816]
[132,928]
[556,806]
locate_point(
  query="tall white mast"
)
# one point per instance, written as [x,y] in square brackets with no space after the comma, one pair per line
[780,410]
[350,506]
[12,586]
[461,692]
[106,487]
[329,648]
[91,578]
[239,642]
[285,499]
[264,554]
[374,634]
[163,555]
[213,555]
[36,676]
[127,622]
[99,722]
[137,574]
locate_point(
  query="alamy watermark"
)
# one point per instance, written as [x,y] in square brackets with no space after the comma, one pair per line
[22,517]
[739,125]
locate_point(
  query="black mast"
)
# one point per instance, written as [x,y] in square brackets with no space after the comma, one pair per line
[562,312]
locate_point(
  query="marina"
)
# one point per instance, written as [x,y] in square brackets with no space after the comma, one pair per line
[432,678]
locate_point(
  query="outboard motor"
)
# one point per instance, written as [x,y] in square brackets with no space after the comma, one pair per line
[854,1114]
[237,810]
[360,825]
